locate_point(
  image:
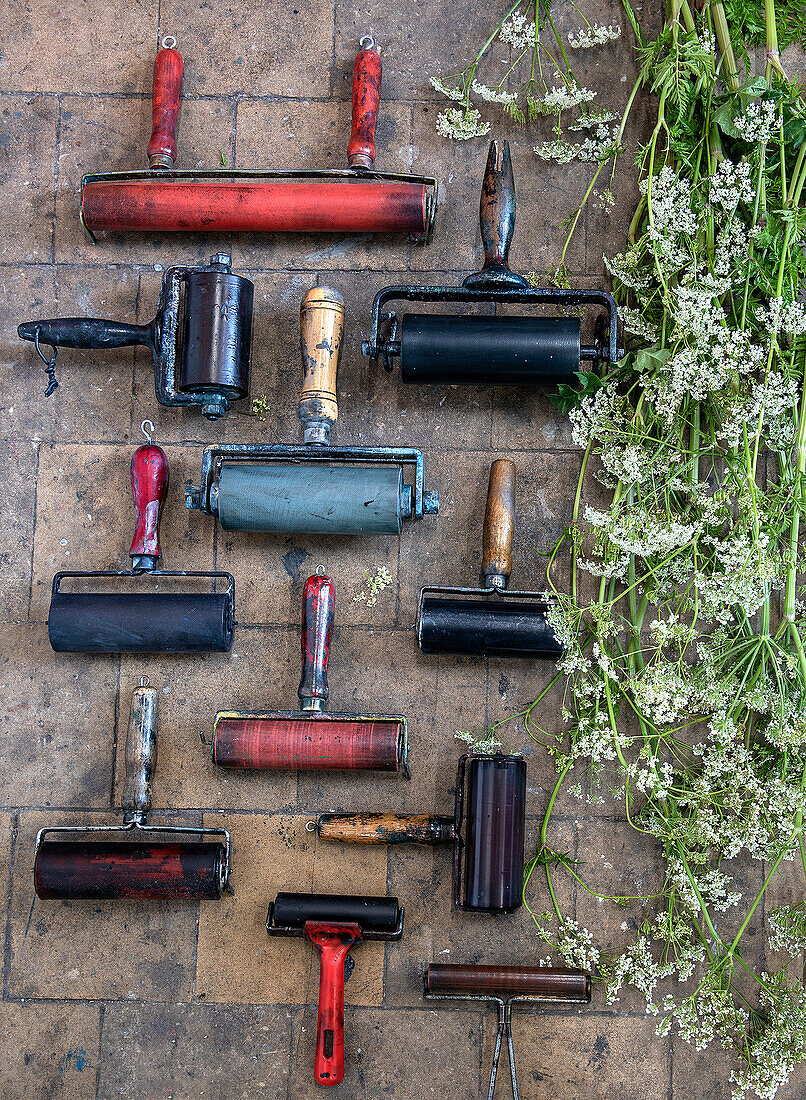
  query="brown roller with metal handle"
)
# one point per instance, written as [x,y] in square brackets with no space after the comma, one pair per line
[494,620]
[505,985]
[134,870]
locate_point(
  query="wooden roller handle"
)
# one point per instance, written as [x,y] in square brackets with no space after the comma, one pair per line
[366,99]
[497,207]
[149,486]
[385,828]
[165,98]
[141,754]
[499,523]
[321,321]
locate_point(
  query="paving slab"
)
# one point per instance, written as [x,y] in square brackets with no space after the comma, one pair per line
[50,1051]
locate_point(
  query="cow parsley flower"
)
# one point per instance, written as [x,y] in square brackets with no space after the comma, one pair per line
[461,125]
[758,121]
[731,184]
[517,31]
[494,95]
[565,98]
[778,316]
[452,92]
[593,35]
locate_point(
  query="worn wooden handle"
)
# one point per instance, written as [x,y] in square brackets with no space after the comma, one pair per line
[141,753]
[497,207]
[321,321]
[385,828]
[366,99]
[165,99]
[499,523]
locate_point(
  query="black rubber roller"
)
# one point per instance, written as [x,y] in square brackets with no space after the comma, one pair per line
[499,627]
[149,872]
[140,622]
[436,349]
[217,334]
[371,914]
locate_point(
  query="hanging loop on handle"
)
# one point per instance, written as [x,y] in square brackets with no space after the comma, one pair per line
[50,364]
[499,524]
[141,755]
[366,100]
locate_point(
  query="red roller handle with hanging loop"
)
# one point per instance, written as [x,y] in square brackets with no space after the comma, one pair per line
[366,98]
[165,99]
[149,486]
[332,941]
[317,626]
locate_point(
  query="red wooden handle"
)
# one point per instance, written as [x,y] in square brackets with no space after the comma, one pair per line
[366,97]
[149,486]
[165,99]
[332,941]
[317,626]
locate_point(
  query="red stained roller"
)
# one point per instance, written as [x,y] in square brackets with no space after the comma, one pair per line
[262,206]
[321,743]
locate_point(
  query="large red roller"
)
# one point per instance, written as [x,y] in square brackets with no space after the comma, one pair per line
[356,199]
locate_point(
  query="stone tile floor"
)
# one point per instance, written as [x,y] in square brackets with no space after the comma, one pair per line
[194,1002]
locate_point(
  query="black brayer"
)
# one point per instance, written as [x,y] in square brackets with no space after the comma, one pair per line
[136,621]
[493,620]
[204,361]
[440,349]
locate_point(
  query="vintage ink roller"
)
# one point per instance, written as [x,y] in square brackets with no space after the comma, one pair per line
[203,361]
[492,620]
[314,489]
[136,621]
[506,985]
[312,738]
[144,866]
[491,839]
[444,349]
[356,199]
[333,923]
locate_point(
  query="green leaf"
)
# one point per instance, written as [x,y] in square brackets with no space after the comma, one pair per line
[566,398]
[651,359]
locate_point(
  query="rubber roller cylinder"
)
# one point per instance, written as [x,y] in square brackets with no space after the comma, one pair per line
[217,332]
[454,350]
[305,744]
[89,870]
[479,979]
[503,627]
[312,500]
[496,816]
[371,914]
[140,622]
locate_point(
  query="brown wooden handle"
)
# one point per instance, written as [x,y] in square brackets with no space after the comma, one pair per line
[385,828]
[499,523]
[321,319]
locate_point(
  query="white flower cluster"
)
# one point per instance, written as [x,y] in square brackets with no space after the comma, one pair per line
[593,35]
[772,405]
[461,125]
[451,91]
[758,121]
[640,532]
[637,967]
[787,926]
[624,267]
[564,98]
[635,323]
[780,316]
[777,1044]
[517,31]
[731,184]
[485,745]
[494,95]
[374,586]
[669,200]
[575,946]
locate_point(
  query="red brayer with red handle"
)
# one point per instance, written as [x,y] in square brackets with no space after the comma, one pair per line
[356,199]
[311,738]
[333,923]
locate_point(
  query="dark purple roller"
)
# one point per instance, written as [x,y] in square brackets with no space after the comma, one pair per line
[496,818]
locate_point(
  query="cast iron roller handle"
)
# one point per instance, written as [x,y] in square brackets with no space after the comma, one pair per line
[385,828]
[149,486]
[165,99]
[366,98]
[86,332]
[499,523]
[321,320]
[141,754]
[317,626]
[497,207]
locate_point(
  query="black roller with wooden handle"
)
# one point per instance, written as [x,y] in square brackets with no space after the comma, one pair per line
[491,620]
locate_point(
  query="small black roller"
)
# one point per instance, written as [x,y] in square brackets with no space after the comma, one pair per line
[501,627]
[140,622]
[371,914]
